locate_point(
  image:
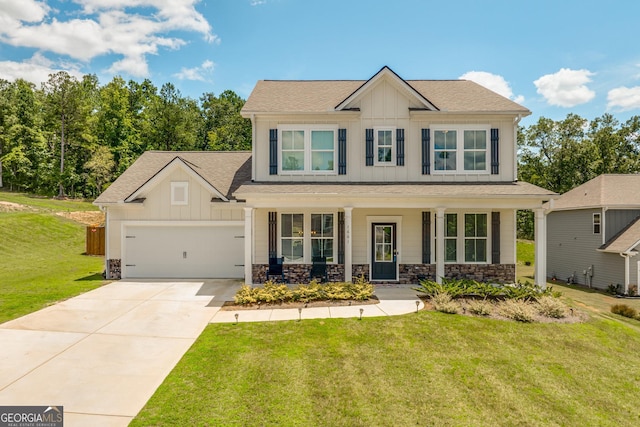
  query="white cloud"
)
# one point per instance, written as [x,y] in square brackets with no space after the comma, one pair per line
[257,2]
[493,82]
[624,98]
[566,88]
[107,27]
[196,73]
[35,70]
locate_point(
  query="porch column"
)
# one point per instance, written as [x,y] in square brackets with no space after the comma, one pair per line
[248,246]
[348,246]
[439,244]
[540,276]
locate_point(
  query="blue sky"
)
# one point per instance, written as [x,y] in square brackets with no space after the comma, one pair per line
[554,57]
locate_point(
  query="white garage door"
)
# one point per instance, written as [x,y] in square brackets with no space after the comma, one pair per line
[184,252]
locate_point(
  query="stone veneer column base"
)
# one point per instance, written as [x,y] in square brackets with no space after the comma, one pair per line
[114,270]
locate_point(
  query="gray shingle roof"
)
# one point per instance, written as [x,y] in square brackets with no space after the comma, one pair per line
[223,170]
[608,190]
[321,96]
[421,189]
[625,240]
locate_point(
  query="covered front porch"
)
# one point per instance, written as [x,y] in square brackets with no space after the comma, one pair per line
[390,234]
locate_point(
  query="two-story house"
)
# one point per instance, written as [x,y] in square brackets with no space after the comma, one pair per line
[594,233]
[386,178]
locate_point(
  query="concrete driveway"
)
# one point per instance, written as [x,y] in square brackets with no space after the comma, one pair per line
[102,355]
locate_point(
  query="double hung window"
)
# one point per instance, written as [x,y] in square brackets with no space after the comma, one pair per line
[308,149]
[384,146]
[597,221]
[468,231]
[460,149]
[303,234]
[292,237]
[322,236]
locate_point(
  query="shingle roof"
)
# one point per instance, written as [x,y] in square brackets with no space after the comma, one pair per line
[625,240]
[419,189]
[223,170]
[608,190]
[321,96]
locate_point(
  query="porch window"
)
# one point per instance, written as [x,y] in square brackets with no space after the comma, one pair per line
[322,236]
[475,237]
[596,223]
[384,143]
[308,149]
[451,238]
[292,237]
[461,149]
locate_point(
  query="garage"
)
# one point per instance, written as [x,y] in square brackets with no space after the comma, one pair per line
[183,251]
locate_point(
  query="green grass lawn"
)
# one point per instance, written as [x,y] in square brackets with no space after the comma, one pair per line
[42,255]
[426,369]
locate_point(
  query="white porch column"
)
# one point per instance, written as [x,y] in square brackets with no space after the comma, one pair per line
[348,246]
[248,246]
[626,273]
[439,244]
[540,276]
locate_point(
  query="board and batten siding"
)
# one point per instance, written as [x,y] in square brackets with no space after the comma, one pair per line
[572,249]
[618,219]
[385,105]
[157,207]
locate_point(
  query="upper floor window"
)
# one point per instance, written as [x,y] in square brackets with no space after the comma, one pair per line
[308,149]
[460,149]
[596,223]
[384,145]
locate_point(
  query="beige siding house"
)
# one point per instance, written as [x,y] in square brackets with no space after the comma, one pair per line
[391,179]
[594,233]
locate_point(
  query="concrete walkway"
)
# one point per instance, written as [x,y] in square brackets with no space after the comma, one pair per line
[103,354]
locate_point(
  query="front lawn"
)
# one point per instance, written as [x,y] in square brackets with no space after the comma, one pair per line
[426,369]
[41,255]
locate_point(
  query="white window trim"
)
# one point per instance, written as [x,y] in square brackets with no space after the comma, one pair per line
[392,162]
[460,149]
[593,223]
[184,186]
[306,234]
[460,238]
[307,149]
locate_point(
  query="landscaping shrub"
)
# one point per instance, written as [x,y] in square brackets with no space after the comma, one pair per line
[624,310]
[479,307]
[443,302]
[360,290]
[305,293]
[517,309]
[246,295]
[551,307]
[273,292]
[464,287]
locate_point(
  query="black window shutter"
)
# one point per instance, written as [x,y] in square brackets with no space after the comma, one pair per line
[369,147]
[426,152]
[273,151]
[342,151]
[426,237]
[495,237]
[340,237]
[399,147]
[273,234]
[495,160]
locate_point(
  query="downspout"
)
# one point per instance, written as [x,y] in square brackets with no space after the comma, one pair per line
[253,147]
[515,151]
[603,224]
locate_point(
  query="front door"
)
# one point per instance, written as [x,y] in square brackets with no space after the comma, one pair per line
[384,253]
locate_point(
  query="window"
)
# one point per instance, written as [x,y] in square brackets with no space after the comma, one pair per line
[451,238]
[596,223]
[179,193]
[463,142]
[308,149]
[475,237]
[384,143]
[322,236]
[292,237]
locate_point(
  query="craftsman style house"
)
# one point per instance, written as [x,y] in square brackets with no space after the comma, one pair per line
[391,179]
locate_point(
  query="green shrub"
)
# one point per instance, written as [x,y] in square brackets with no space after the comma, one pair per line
[443,302]
[274,292]
[246,295]
[310,292]
[551,307]
[624,310]
[361,290]
[464,287]
[517,309]
[479,307]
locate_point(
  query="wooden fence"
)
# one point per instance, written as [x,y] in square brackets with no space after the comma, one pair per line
[95,241]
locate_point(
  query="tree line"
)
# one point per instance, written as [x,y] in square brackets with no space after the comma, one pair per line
[73,137]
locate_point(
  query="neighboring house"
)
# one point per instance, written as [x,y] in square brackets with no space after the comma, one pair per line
[593,233]
[390,179]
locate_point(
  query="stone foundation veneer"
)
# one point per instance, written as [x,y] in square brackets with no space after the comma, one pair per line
[114,270]
[409,273]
